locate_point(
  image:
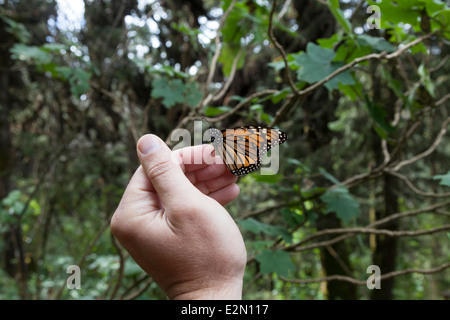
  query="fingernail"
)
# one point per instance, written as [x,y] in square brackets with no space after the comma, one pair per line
[148,144]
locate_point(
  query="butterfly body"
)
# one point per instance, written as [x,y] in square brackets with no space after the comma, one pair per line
[242,148]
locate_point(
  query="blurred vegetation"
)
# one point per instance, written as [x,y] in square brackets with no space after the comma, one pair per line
[364,178]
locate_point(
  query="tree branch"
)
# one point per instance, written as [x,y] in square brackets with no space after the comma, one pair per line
[121,267]
[427,152]
[443,99]
[370,229]
[85,254]
[212,70]
[241,104]
[281,50]
[414,189]
[386,232]
[227,85]
[285,9]
[387,163]
[364,282]
[139,292]
[440,64]
[372,56]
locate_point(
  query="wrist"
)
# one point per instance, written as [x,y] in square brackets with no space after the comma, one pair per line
[231,290]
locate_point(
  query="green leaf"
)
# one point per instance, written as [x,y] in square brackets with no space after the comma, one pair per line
[277,65]
[316,55]
[267,118]
[237,98]
[329,176]
[257,227]
[339,16]
[394,84]
[174,91]
[246,18]
[214,111]
[164,70]
[396,12]
[445,179]
[62,72]
[352,91]
[317,63]
[349,50]
[329,42]
[171,91]
[35,207]
[409,12]
[293,217]
[441,21]
[269,178]
[340,200]
[257,107]
[434,7]
[54,47]
[426,79]
[79,82]
[378,114]
[282,94]
[227,56]
[191,32]
[277,261]
[18,207]
[380,132]
[232,31]
[29,53]
[376,43]
[192,94]
[18,30]
[12,197]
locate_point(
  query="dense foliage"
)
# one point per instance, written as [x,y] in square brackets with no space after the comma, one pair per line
[361,88]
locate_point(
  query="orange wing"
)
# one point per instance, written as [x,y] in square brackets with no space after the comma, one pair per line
[242,148]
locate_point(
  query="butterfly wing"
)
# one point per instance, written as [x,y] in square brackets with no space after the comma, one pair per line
[242,148]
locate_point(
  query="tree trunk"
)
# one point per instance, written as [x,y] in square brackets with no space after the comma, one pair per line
[316,21]
[5,133]
[335,260]
[385,251]
[385,254]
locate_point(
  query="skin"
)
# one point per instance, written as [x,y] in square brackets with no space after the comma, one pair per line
[172,221]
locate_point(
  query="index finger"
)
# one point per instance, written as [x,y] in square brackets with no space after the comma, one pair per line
[195,157]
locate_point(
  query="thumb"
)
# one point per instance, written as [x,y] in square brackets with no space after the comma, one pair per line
[163,170]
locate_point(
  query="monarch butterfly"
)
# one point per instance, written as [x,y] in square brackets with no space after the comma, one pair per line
[242,148]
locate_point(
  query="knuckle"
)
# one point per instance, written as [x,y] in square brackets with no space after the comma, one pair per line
[122,230]
[159,169]
[116,225]
[120,225]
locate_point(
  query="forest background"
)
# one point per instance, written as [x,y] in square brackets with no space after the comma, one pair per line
[360,87]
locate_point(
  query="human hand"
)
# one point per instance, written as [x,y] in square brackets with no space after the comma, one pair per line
[172,221]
